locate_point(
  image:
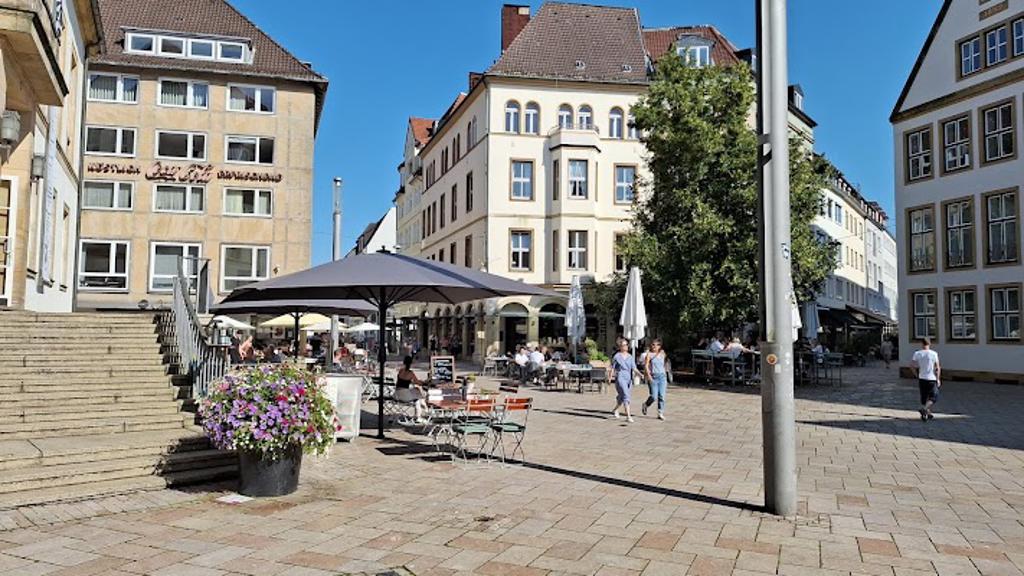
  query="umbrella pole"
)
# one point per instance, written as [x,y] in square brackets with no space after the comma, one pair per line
[296,350]
[382,357]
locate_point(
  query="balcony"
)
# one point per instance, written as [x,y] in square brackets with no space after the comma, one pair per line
[574,136]
[29,27]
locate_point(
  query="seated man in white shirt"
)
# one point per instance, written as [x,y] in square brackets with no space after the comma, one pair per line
[715,346]
[536,362]
[521,360]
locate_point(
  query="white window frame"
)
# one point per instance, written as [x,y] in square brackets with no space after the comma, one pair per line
[960,313]
[930,311]
[565,116]
[970,56]
[521,181]
[519,250]
[192,274]
[189,188]
[513,120]
[616,118]
[189,93]
[919,158]
[622,185]
[168,54]
[220,51]
[531,118]
[579,188]
[631,131]
[697,56]
[256,193]
[577,253]
[998,132]
[260,90]
[119,91]
[585,117]
[190,138]
[255,249]
[128,37]
[1001,43]
[213,48]
[112,253]
[118,143]
[1006,312]
[1017,33]
[957,141]
[960,232]
[118,190]
[259,139]
[1002,224]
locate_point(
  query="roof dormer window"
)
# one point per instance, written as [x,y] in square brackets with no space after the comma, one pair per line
[178,46]
[694,50]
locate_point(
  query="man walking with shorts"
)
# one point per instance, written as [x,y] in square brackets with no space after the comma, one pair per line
[925,365]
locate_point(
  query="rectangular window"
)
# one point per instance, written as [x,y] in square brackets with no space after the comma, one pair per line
[181,145]
[451,253]
[556,179]
[200,49]
[467,252]
[172,46]
[970,56]
[919,154]
[923,307]
[433,217]
[521,250]
[555,253]
[995,46]
[922,239]
[113,88]
[577,178]
[107,195]
[469,193]
[960,233]
[184,94]
[440,255]
[962,315]
[110,141]
[103,265]
[1004,312]
[241,265]
[1003,234]
[455,202]
[178,198]
[620,257]
[251,98]
[140,43]
[577,250]
[522,180]
[625,178]
[956,144]
[163,264]
[247,202]
[250,150]
[1018,37]
[442,212]
[231,51]
[998,123]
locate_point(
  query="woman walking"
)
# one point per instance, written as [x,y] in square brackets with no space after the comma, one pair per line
[657,377]
[623,368]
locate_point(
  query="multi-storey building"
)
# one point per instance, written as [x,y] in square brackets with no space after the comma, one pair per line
[957,129]
[44,46]
[881,256]
[198,145]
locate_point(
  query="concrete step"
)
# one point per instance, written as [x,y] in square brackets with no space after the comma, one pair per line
[33,400]
[11,316]
[92,361]
[81,384]
[19,412]
[34,452]
[106,370]
[85,352]
[52,494]
[92,424]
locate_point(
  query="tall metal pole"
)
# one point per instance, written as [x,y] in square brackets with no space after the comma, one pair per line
[777,404]
[335,255]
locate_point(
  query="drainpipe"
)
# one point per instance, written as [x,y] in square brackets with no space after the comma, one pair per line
[45,182]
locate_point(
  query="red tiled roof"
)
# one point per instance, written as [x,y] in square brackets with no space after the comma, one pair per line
[659,42]
[198,17]
[422,130]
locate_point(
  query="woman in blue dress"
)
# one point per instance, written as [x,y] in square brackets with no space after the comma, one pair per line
[623,368]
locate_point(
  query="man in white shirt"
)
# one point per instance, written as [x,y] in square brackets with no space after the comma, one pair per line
[925,365]
[521,360]
[536,362]
[716,345]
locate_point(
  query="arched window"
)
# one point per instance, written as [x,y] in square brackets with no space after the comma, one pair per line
[631,126]
[531,119]
[586,117]
[615,123]
[512,116]
[565,116]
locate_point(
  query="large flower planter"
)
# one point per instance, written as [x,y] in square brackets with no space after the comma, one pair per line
[260,476]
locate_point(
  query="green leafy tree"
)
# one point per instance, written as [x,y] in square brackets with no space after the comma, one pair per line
[696,223]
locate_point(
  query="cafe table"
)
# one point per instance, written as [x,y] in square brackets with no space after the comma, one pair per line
[443,414]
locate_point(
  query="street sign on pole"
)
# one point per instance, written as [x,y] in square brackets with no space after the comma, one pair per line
[777,403]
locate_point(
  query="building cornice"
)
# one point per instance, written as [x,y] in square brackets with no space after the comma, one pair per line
[1011,77]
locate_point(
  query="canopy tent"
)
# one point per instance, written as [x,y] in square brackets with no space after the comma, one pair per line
[230,323]
[384,279]
[634,313]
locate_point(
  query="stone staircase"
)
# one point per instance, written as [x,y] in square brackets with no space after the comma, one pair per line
[89,406]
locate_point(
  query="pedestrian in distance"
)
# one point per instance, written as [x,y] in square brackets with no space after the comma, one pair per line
[925,366]
[657,377]
[886,350]
[623,369]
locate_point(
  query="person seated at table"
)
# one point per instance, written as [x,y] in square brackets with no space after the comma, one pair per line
[817,348]
[522,359]
[272,354]
[536,361]
[716,346]
[409,388]
[735,349]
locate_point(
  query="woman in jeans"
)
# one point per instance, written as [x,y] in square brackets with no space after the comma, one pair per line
[657,377]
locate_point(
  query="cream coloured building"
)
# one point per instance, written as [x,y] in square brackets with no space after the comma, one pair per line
[44,47]
[198,144]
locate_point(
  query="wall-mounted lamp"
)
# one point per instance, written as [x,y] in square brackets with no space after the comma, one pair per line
[38,166]
[10,131]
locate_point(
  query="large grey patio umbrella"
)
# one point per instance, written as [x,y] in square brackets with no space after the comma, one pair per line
[575,315]
[384,279]
[296,308]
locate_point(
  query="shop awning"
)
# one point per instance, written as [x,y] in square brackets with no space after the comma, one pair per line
[866,316]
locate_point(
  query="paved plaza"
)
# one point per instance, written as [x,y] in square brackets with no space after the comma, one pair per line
[882,493]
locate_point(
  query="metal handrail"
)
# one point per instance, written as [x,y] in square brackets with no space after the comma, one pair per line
[202,362]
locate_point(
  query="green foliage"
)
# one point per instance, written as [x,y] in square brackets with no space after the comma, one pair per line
[696,222]
[593,352]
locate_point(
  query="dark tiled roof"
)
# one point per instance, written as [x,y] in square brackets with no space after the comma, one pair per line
[200,17]
[422,130]
[606,40]
[659,42]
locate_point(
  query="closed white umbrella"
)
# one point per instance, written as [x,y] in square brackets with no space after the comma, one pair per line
[575,314]
[634,314]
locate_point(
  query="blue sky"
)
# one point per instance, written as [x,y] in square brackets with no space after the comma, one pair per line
[388,60]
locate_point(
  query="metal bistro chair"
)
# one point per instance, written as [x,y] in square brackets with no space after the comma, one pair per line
[596,379]
[476,422]
[703,364]
[490,366]
[512,423]
[834,367]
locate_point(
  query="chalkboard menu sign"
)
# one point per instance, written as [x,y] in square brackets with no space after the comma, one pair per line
[442,370]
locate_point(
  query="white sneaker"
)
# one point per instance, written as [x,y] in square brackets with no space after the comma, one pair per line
[629,419]
[661,416]
[615,415]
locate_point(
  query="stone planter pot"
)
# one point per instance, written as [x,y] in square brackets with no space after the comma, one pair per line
[259,476]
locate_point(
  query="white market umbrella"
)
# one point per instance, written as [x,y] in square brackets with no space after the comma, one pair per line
[575,314]
[322,326]
[231,323]
[364,327]
[634,314]
[288,321]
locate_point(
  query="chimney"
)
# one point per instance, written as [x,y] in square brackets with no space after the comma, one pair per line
[513,19]
[474,78]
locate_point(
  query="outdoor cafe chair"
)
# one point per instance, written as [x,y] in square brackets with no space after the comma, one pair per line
[490,365]
[596,378]
[511,424]
[834,367]
[474,422]
[703,364]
